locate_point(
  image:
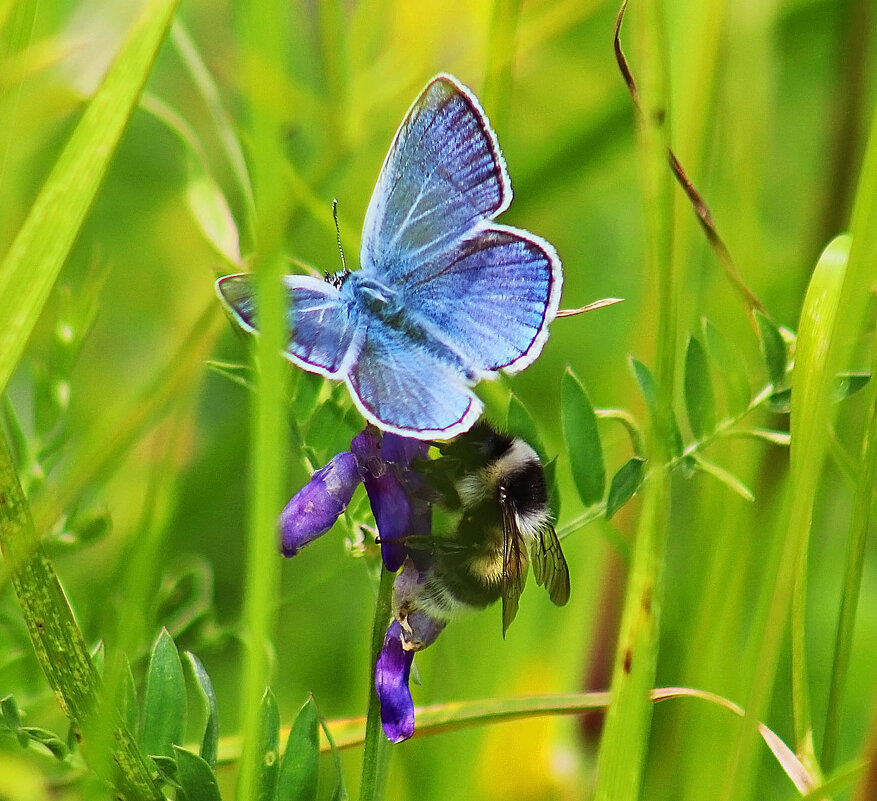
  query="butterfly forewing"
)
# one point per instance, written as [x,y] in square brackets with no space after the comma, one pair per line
[443,174]
[322,325]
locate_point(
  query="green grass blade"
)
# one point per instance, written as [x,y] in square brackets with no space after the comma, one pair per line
[38,252]
[812,381]
[500,59]
[863,257]
[263,54]
[59,645]
[625,736]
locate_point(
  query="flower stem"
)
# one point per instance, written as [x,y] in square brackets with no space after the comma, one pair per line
[376,753]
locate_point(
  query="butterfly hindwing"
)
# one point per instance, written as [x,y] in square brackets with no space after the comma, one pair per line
[492,296]
[406,388]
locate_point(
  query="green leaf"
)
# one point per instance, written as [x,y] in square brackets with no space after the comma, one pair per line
[700,400]
[520,423]
[300,768]
[582,439]
[307,395]
[624,484]
[164,708]
[240,374]
[553,488]
[47,739]
[11,713]
[210,741]
[211,211]
[32,264]
[849,384]
[167,768]
[646,382]
[728,479]
[268,748]
[129,707]
[773,348]
[781,402]
[730,364]
[98,657]
[196,777]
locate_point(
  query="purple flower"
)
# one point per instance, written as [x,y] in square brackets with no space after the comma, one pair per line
[411,631]
[384,464]
[315,508]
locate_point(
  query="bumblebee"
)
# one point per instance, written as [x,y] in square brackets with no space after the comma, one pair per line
[494,485]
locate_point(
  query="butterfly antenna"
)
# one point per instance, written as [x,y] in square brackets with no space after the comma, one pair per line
[338,234]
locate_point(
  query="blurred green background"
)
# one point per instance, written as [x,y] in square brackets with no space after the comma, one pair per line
[770,102]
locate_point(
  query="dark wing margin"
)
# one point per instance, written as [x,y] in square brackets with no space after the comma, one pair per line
[514,564]
[549,565]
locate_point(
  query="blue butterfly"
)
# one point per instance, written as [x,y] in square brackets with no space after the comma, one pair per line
[445,296]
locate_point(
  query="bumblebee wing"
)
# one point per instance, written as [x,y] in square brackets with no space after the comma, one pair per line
[514,565]
[549,565]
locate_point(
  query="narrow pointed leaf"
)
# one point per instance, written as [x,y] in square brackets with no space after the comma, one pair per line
[781,401]
[268,749]
[700,400]
[196,777]
[300,768]
[849,384]
[773,348]
[646,382]
[728,479]
[727,359]
[30,267]
[211,211]
[130,708]
[164,708]
[625,483]
[582,440]
[210,740]
[520,423]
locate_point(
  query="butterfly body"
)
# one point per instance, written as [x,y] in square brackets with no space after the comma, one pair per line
[445,296]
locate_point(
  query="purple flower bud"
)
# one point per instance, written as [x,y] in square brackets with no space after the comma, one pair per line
[315,508]
[391,684]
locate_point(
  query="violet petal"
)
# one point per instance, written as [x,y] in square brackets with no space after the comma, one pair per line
[391,684]
[314,509]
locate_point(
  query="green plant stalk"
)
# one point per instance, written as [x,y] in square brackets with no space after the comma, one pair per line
[626,733]
[859,525]
[376,753]
[29,269]
[500,59]
[262,52]
[854,296]
[811,412]
[59,645]
[207,88]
